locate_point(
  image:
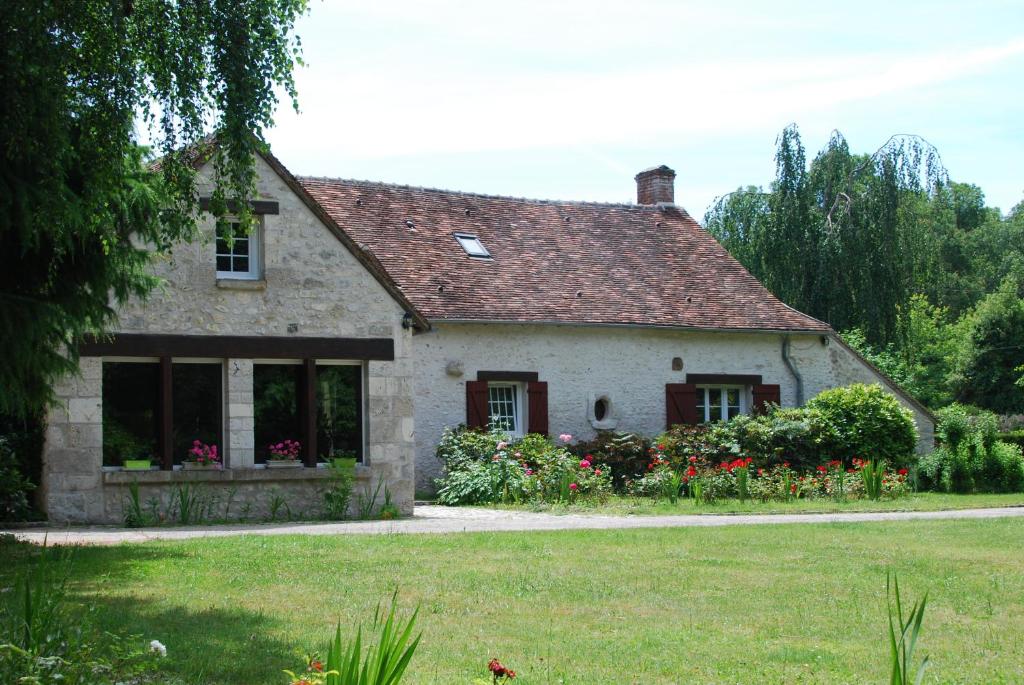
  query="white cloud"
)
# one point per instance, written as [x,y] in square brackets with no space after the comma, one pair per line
[382,109]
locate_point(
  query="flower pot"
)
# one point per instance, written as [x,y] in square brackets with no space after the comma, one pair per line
[283,463]
[346,464]
[137,464]
[196,466]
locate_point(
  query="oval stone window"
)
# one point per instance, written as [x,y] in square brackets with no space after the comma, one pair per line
[600,409]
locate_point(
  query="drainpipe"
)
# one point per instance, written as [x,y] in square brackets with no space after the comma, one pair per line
[792,370]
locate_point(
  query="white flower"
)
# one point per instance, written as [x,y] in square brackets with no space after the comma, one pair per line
[158,647]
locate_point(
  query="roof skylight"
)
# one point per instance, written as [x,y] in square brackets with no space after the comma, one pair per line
[472,245]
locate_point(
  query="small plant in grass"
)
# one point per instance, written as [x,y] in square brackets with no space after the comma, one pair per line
[903,635]
[339,494]
[389,510]
[366,500]
[187,504]
[134,516]
[384,663]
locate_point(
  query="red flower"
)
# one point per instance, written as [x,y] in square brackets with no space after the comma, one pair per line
[760,472]
[822,469]
[785,464]
[597,472]
[316,666]
[661,447]
[693,460]
[573,486]
[902,472]
[724,465]
[792,488]
[691,472]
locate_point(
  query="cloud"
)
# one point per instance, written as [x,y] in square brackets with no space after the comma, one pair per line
[381,110]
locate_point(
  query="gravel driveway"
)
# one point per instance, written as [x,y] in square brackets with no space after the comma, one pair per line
[436,519]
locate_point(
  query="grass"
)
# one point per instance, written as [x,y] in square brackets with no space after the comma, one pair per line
[924,501]
[794,604]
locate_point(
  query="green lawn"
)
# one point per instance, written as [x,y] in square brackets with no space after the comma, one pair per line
[924,501]
[759,604]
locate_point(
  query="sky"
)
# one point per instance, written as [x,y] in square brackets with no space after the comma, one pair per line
[569,100]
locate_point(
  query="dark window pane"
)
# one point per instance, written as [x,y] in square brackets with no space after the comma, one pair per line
[222,246]
[197,403]
[223,263]
[131,395]
[275,395]
[241,265]
[339,416]
[241,247]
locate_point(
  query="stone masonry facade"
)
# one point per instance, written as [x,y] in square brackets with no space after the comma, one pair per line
[628,365]
[311,286]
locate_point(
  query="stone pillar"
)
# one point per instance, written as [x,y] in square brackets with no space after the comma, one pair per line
[240,437]
[72,487]
[391,438]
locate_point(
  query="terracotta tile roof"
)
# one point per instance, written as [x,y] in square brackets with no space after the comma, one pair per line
[565,262]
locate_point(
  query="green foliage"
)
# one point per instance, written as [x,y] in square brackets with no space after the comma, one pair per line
[43,641]
[869,423]
[14,487]
[844,239]
[461,446]
[872,474]
[532,468]
[338,496]
[803,437]
[134,515]
[384,663]
[903,635]
[624,453]
[971,458]
[987,372]
[78,197]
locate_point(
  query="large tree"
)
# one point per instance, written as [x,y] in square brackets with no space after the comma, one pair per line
[78,196]
[844,238]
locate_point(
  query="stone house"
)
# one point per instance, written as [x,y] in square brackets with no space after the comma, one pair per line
[359,310]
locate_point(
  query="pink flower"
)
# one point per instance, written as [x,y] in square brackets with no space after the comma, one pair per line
[502,445]
[565,437]
[597,472]
[518,455]
[573,486]
[529,472]
[584,464]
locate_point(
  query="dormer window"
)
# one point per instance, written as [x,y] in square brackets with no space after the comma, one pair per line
[239,257]
[472,245]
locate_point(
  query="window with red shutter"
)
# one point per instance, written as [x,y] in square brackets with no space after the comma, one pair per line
[680,403]
[537,414]
[476,404]
[765,395]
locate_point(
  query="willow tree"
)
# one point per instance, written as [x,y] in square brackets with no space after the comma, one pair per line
[81,81]
[845,239]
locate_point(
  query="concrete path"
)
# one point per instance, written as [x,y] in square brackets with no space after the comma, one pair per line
[435,519]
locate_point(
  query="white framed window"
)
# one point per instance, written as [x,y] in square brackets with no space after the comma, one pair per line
[505,407]
[720,402]
[472,245]
[240,257]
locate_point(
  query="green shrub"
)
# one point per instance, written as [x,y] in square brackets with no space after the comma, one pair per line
[1012,437]
[869,423]
[624,453]
[799,436]
[14,487]
[461,446]
[971,458]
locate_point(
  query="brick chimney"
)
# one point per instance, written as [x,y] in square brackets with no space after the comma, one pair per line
[656,186]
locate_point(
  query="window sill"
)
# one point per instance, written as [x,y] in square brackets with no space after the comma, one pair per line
[242,283]
[224,475]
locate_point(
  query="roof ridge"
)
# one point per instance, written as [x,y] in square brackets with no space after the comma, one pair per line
[487,196]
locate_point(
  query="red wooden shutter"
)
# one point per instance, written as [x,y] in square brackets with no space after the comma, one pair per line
[476,404]
[680,403]
[765,394]
[537,412]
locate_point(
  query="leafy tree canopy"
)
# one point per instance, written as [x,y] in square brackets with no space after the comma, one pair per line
[78,196]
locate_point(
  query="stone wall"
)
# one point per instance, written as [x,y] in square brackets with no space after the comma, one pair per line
[628,365]
[311,286]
